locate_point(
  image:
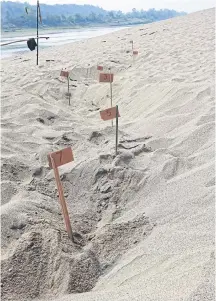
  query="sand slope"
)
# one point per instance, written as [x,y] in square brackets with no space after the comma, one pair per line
[143,221]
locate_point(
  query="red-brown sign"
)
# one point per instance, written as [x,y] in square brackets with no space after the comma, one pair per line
[64,73]
[100,68]
[106,78]
[61,157]
[135,52]
[57,159]
[109,114]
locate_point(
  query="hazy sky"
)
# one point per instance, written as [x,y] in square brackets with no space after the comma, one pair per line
[127,5]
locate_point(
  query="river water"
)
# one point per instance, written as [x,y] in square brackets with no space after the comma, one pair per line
[57,37]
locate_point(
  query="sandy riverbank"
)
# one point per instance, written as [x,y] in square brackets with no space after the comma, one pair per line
[144,221]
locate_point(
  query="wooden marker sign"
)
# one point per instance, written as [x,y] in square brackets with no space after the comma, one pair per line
[61,157]
[57,159]
[100,68]
[108,114]
[135,52]
[106,77]
[66,74]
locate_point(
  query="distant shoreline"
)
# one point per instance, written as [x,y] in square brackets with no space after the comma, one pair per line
[48,29]
[52,30]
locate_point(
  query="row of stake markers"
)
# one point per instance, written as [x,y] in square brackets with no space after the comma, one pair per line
[65,155]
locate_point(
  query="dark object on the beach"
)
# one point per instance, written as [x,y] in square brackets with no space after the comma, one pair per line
[153,32]
[103,41]
[50,60]
[116,62]
[93,110]
[41,120]
[31,44]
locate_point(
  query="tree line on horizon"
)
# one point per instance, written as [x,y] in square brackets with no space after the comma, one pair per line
[22,15]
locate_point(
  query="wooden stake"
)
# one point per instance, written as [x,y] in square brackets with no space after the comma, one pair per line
[111,96]
[62,199]
[87,74]
[37,32]
[116,149]
[132,50]
[68,88]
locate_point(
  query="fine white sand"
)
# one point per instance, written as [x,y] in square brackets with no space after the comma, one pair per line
[143,221]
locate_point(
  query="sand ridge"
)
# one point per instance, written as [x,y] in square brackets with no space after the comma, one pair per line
[143,221]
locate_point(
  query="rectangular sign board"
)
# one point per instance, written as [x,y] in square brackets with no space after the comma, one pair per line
[64,73]
[61,157]
[108,114]
[106,78]
[135,52]
[100,68]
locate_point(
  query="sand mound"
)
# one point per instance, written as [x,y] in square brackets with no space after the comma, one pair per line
[43,251]
[143,221]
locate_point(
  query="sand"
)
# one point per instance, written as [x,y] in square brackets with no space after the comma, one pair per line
[143,220]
